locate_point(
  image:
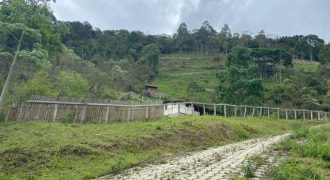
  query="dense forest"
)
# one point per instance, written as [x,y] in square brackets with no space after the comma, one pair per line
[74,59]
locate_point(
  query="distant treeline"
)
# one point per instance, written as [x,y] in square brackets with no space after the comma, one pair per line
[90,43]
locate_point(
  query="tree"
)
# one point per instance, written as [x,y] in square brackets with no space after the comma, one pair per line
[325,54]
[261,39]
[71,84]
[150,56]
[239,57]
[240,86]
[311,44]
[224,37]
[38,54]
[182,38]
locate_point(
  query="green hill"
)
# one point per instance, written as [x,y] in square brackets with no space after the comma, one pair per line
[189,76]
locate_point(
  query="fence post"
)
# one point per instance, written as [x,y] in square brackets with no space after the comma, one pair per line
[318,115]
[254,109]
[304,113]
[147,112]
[107,115]
[268,113]
[260,113]
[286,114]
[215,110]
[295,114]
[225,109]
[311,115]
[55,112]
[278,114]
[128,113]
[203,109]
[83,114]
[325,115]
[244,111]
[20,114]
[235,111]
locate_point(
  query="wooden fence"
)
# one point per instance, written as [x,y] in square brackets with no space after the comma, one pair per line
[58,111]
[105,112]
[228,110]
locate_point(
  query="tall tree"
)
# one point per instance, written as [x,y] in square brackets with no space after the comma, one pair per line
[224,37]
[150,56]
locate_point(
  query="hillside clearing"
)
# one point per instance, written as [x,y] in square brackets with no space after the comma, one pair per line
[71,151]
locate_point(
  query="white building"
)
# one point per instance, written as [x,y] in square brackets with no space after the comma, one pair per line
[178,108]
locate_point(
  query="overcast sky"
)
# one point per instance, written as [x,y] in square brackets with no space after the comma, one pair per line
[276,17]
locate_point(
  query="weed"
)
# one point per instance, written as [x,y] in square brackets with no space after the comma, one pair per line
[248,170]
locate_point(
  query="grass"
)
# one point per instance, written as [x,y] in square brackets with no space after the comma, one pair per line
[307,67]
[37,150]
[178,71]
[309,150]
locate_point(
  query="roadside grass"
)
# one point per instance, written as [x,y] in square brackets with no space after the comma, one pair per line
[309,150]
[178,71]
[38,150]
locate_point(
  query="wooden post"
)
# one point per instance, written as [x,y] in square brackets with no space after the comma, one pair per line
[215,110]
[203,109]
[286,114]
[107,115]
[311,115]
[268,112]
[278,114]
[20,114]
[260,113]
[295,114]
[55,112]
[244,111]
[318,115]
[235,111]
[83,114]
[225,109]
[128,114]
[325,115]
[304,115]
[253,111]
[147,112]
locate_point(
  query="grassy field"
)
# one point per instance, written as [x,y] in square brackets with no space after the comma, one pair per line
[305,65]
[178,71]
[37,150]
[309,155]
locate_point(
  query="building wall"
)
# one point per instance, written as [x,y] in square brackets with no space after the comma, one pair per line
[176,109]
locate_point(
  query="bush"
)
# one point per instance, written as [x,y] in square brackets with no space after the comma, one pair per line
[2,117]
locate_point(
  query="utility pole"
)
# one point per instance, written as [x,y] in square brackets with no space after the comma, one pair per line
[10,74]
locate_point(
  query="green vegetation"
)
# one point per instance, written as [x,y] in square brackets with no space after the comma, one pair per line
[189,77]
[309,158]
[71,151]
[110,64]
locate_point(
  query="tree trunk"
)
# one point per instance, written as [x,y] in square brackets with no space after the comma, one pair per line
[6,85]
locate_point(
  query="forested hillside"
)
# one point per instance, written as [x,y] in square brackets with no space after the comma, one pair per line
[74,59]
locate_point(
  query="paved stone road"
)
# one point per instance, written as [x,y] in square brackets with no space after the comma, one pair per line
[223,162]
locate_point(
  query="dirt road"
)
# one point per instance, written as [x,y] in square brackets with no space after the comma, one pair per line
[215,163]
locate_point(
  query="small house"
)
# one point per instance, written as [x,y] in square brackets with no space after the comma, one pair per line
[151,89]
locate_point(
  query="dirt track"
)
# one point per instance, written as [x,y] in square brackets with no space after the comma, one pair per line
[223,162]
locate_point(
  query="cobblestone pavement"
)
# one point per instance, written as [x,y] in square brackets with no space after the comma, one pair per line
[224,162]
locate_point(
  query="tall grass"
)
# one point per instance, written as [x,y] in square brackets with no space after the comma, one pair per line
[310,155]
[37,150]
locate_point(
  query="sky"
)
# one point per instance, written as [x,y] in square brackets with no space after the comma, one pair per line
[275,17]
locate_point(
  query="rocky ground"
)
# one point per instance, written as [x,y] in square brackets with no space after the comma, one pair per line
[225,162]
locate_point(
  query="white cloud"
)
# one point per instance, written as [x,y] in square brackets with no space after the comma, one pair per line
[281,17]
